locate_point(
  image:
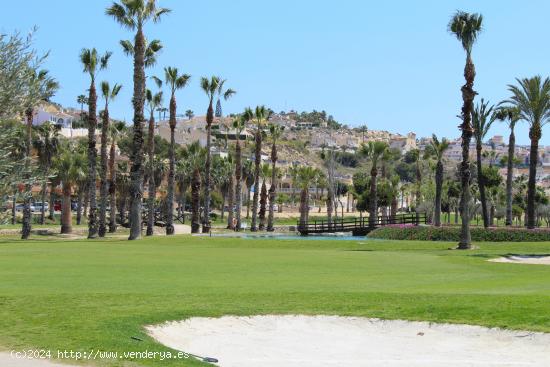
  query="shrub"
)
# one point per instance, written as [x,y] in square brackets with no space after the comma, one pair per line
[430,233]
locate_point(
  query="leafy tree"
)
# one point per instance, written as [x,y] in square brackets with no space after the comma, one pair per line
[373,150]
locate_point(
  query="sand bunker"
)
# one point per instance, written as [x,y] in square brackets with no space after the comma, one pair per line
[323,341]
[524,259]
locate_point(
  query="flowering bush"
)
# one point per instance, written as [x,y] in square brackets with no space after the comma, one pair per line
[429,233]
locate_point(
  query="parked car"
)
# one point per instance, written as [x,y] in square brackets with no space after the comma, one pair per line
[19,207]
[37,206]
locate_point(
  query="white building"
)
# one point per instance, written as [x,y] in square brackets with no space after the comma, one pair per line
[52,114]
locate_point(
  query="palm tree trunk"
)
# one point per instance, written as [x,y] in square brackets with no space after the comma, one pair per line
[52,201]
[66,216]
[206,225]
[92,156]
[152,183]
[510,176]
[263,203]
[43,199]
[231,202]
[112,188]
[304,206]
[248,188]
[238,179]
[13,205]
[27,215]
[104,185]
[272,188]
[171,170]
[136,172]
[79,207]
[373,199]
[195,201]
[330,204]
[438,189]
[534,135]
[257,162]
[468,95]
[481,185]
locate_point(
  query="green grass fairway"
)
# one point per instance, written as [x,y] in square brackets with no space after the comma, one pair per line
[83,295]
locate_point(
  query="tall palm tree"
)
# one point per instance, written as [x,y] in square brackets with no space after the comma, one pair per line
[482,119]
[466,28]
[239,125]
[134,14]
[215,86]
[436,149]
[71,169]
[91,61]
[175,81]
[109,94]
[47,145]
[261,115]
[373,150]
[41,88]
[249,178]
[510,114]
[275,132]
[532,99]
[115,130]
[306,176]
[154,101]
[189,114]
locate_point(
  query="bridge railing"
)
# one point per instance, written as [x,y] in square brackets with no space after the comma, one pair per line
[351,224]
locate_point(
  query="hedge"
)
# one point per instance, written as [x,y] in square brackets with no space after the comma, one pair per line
[430,233]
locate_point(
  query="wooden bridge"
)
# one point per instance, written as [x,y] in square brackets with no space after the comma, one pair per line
[358,226]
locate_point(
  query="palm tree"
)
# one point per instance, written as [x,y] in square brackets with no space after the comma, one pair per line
[436,149]
[373,150]
[82,100]
[482,119]
[154,101]
[123,189]
[261,115]
[90,61]
[189,114]
[306,176]
[212,87]
[249,178]
[275,132]
[175,81]
[510,114]
[134,15]
[108,95]
[532,99]
[71,169]
[466,28]
[264,173]
[47,145]
[41,88]
[114,134]
[195,156]
[239,125]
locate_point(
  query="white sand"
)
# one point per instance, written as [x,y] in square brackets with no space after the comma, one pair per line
[323,341]
[524,259]
[6,360]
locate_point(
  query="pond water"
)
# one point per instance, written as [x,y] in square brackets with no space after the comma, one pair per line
[289,236]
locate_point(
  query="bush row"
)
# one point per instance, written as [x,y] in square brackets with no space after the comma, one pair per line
[430,233]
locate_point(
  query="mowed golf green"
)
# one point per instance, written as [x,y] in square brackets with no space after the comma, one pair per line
[82,295]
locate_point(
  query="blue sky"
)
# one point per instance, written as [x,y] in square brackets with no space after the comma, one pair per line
[389,64]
